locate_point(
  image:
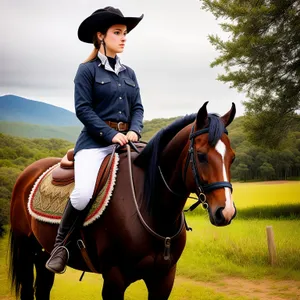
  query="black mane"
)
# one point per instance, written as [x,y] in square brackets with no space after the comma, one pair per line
[149,159]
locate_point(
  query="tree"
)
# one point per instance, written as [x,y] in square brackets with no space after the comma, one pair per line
[261,58]
[267,171]
[243,171]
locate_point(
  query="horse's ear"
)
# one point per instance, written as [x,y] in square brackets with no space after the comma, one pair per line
[202,116]
[228,118]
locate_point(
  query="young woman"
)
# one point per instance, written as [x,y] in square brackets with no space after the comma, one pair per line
[108,103]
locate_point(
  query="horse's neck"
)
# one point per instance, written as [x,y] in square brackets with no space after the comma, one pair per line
[172,160]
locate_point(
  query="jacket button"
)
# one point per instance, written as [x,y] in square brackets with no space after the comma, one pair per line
[120,98]
[101,133]
[102,82]
[120,112]
[119,84]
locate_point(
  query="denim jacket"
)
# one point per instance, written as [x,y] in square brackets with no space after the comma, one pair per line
[102,94]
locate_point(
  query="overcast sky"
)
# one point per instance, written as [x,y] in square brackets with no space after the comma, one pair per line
[169,51]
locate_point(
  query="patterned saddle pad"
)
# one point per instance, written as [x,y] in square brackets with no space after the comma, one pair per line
[47,201]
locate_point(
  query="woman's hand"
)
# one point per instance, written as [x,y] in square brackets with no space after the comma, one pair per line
[132,136]
[120,138]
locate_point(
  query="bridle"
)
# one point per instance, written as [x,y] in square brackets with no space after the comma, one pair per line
[191,160]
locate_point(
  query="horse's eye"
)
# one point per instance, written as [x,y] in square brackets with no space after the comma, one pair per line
[202,157]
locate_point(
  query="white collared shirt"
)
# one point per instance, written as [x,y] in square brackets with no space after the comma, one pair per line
[104,61]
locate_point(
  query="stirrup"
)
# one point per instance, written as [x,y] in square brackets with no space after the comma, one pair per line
[52,256]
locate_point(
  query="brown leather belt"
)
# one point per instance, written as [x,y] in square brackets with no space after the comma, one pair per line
[120,126]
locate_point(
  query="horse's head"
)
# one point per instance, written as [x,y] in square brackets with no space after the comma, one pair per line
[207,167]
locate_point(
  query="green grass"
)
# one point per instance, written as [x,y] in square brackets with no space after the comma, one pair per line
[212,253]
[240,249]
[237,251]
[67,286]
[266,193]
[90,288]
[264,200]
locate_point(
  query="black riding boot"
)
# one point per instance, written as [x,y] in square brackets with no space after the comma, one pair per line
[71,220]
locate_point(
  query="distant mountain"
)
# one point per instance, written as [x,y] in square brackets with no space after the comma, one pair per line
[18,109]
[32,119]
[40,131]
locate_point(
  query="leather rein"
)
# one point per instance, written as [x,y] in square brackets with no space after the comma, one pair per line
[166,239]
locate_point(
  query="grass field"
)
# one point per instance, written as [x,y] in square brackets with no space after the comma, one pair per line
[264,200]
[266,193]
[218,263]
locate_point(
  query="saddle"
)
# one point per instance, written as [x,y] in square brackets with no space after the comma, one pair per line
[64,174]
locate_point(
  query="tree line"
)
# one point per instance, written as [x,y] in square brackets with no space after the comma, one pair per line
[264,163]
[15,155]
[252,162]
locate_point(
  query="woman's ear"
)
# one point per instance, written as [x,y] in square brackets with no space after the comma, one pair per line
[100,36]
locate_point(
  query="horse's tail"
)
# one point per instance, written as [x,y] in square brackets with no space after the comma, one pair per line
[21,264]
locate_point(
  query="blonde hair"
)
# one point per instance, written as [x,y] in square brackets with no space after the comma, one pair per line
[92,56]
[94,53]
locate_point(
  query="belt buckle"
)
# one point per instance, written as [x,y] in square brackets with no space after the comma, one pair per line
[120,124]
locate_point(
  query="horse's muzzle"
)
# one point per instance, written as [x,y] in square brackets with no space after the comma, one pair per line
[219,219]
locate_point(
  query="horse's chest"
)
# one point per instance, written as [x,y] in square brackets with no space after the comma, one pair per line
[149,264]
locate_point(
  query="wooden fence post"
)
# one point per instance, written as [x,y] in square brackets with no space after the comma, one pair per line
[271,245]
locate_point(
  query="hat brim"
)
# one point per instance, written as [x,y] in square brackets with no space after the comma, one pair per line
[101,22]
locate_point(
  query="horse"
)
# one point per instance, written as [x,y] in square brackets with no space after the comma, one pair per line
[141,234]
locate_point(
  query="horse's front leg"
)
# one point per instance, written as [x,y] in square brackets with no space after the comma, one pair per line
[114,284]
[160,285]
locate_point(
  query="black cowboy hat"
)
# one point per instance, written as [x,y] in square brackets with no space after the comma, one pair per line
[101,20]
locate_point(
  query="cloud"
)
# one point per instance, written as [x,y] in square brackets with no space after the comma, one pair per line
[168,50]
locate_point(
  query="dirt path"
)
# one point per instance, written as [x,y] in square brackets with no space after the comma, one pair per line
[264,289]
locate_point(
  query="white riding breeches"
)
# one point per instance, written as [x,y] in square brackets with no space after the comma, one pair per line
[86,168]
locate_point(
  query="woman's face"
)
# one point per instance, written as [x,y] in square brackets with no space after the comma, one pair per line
[114,39]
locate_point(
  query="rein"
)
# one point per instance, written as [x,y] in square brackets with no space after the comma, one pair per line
[167,240]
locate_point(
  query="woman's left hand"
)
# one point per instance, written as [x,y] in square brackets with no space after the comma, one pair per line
[132,136]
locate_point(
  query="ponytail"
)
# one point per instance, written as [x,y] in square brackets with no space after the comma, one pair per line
[92,56]
[94,53]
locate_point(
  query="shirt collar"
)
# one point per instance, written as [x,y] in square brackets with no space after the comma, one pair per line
[104,61]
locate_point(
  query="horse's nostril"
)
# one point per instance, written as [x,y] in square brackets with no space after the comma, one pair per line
[219,217]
